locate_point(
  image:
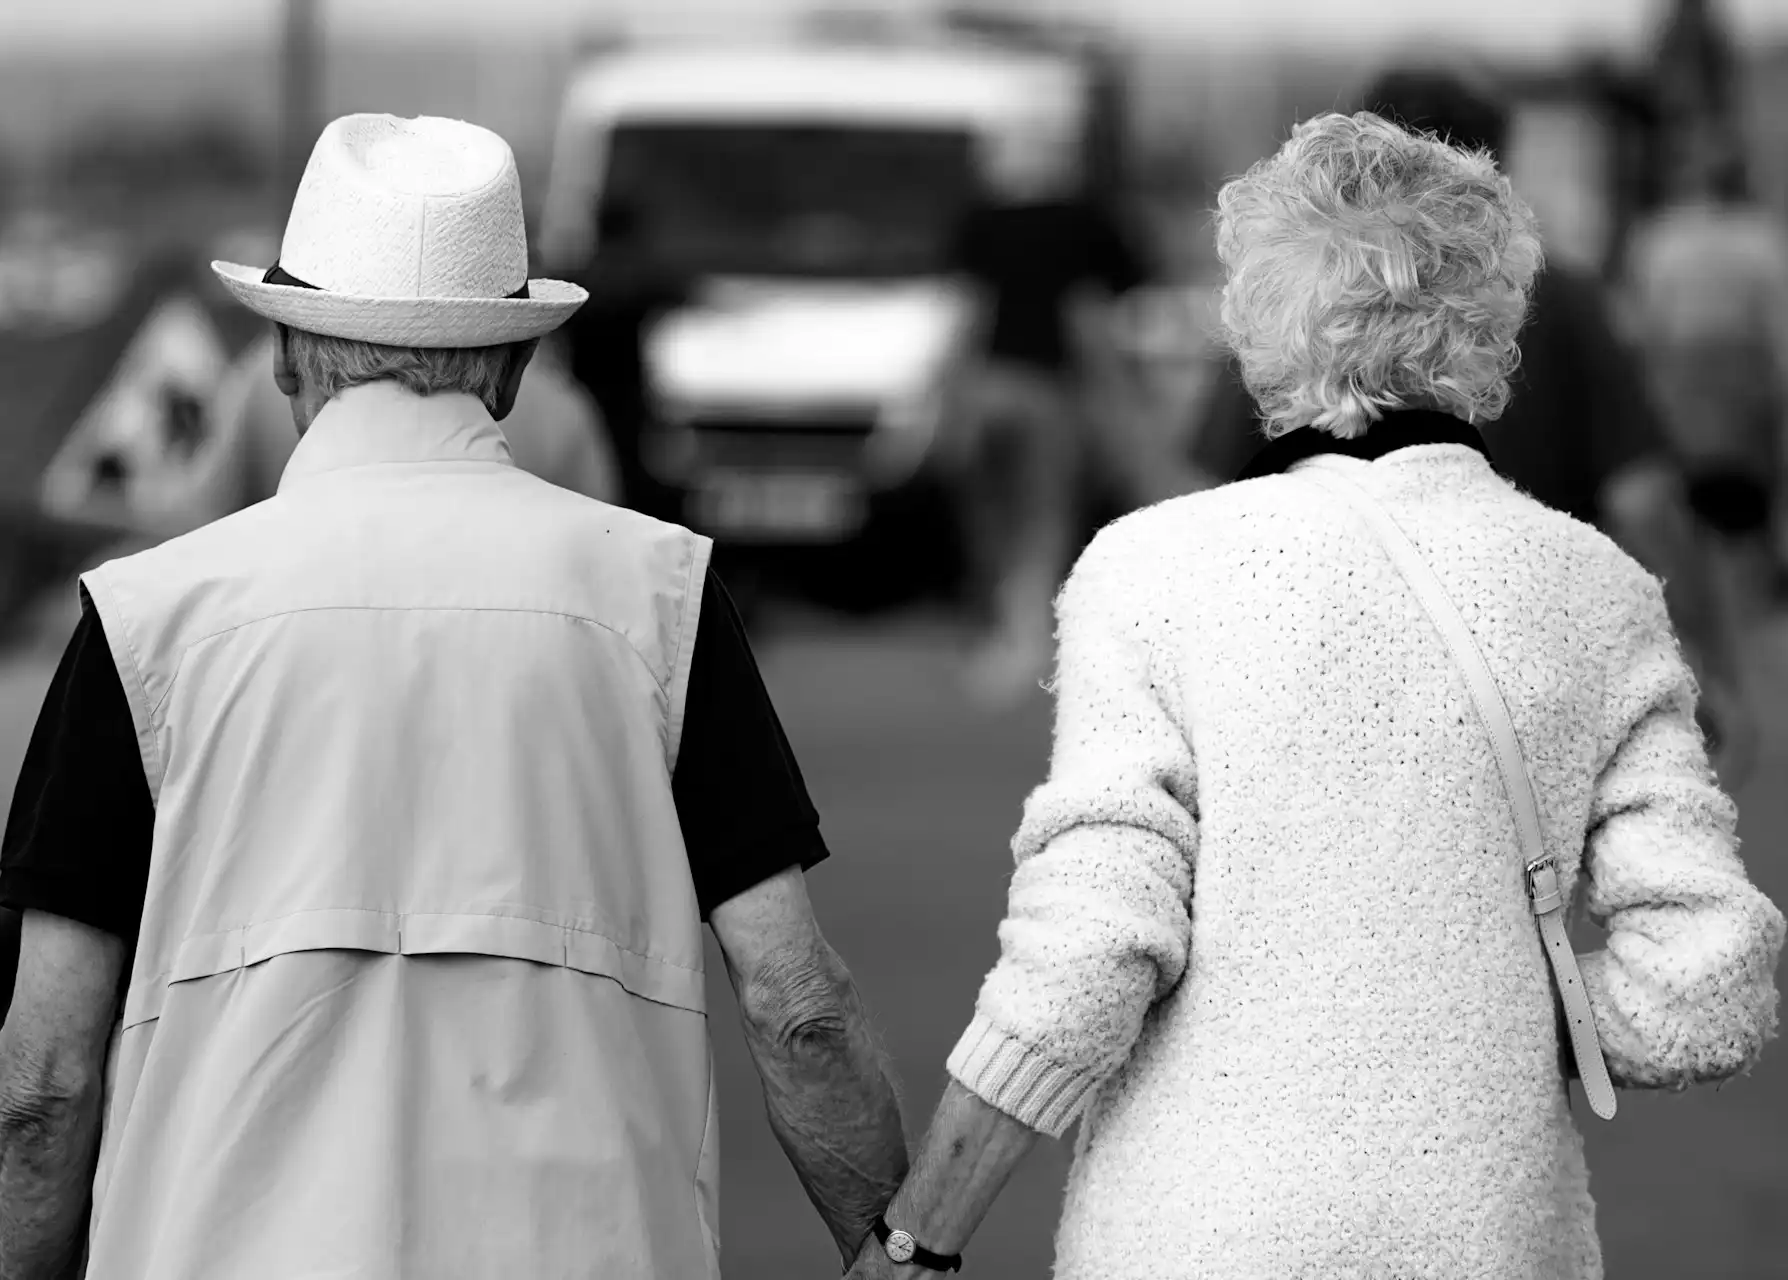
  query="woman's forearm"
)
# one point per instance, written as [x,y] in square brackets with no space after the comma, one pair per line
[969,1154]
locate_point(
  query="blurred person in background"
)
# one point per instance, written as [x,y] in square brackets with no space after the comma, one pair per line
[366,835]
[1580,433]
[1708,283]
[554,431]
[1044,263]
[630,288]
[1267,939]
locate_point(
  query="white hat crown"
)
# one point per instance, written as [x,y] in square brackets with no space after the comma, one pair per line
[422,208]
[407,232]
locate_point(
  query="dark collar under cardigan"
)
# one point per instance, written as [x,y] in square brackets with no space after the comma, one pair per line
[1401,429]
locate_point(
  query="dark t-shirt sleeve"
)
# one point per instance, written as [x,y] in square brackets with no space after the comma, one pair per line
[740,797]
[82,822]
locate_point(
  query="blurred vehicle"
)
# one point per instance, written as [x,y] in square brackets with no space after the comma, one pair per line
[808,193]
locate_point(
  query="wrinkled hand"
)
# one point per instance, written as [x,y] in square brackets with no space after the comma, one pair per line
[1731,729]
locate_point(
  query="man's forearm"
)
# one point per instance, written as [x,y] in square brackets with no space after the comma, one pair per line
[46,1174]
[831,1102]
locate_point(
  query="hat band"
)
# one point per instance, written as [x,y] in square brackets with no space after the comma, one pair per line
[277,274]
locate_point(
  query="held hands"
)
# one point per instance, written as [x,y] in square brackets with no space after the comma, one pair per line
[872,1264]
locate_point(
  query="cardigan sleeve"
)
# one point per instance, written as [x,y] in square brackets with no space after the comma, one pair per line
[1684,991]
[1098,924]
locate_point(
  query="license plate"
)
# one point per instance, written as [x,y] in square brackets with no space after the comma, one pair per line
[747,505]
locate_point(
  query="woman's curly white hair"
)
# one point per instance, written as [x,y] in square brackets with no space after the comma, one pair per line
[1370,268]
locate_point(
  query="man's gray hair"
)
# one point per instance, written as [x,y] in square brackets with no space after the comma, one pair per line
[332,365]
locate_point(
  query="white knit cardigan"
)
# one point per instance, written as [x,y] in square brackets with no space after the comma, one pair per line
[1268,927]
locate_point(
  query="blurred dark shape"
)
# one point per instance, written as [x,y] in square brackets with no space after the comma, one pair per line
[184,421]
[757,198]
[598,41]
[11,926]
[854,24]
[1729,180]
[632,283]
[1696,63]
[1030,258]
[111,470]
[1461,112]
[1695,81]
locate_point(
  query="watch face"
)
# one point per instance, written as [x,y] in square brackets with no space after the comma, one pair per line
[900,1246]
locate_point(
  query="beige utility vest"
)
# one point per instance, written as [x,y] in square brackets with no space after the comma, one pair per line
[419,985]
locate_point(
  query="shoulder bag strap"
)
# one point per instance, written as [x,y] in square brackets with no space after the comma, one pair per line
[1540,869]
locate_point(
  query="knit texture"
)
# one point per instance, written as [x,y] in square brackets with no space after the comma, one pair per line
[1339,1056]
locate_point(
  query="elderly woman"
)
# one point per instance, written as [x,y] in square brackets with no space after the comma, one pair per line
[1269,939]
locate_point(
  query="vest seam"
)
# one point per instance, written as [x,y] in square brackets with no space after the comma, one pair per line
[154,989]
[676,691]
[124,640]
[401,916]
[187,648]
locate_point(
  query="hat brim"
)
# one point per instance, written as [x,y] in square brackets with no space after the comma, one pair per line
[406,322]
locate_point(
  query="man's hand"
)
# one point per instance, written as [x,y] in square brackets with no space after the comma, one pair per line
[830,1099]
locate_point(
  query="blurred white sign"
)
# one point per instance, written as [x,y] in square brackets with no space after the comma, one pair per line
[54,288]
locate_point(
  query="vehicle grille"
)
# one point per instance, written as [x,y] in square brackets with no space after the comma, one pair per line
[823,444]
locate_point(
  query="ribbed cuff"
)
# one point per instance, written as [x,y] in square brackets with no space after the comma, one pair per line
[1033,1090]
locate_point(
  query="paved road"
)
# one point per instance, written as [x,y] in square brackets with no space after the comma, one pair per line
[920,794]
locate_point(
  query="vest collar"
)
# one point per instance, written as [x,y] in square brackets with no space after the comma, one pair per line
[1401,429]
[381,422]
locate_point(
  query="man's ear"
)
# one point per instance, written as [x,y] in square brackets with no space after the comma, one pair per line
[519,355]
[283,374]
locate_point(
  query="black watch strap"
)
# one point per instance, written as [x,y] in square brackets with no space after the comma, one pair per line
[920,1256]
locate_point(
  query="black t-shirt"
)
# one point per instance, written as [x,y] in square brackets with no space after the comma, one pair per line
[78,838]
[1031,258]
[1578,412]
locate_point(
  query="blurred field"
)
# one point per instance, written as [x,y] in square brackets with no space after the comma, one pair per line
[920,793]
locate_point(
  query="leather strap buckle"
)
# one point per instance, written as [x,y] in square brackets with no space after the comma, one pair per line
[1542,886]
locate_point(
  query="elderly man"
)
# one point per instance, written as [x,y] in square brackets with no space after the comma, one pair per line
[367,833]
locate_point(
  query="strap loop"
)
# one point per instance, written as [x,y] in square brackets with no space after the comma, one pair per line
[1539,868]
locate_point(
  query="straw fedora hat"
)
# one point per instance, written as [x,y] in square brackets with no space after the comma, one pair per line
[409,233]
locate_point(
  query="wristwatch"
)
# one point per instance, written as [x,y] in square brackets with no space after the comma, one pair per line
[902,1248]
